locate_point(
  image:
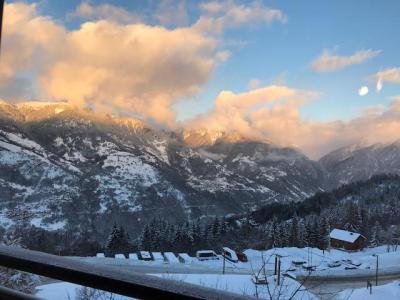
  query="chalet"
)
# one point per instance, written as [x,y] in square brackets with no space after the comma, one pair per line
[347,240]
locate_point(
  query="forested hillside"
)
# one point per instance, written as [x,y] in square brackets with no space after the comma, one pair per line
[369,207]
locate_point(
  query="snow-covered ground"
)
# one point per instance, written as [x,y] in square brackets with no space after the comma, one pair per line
[328,264]
[240,284]
[336,270]
[390,291]
[66,291]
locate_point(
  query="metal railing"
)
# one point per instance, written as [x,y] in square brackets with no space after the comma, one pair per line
[126,283]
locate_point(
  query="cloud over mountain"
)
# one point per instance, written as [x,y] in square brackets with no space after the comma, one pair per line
[116,64]
[273,113]
[131,68]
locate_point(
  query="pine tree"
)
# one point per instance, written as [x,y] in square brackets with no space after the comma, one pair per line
[374,242]
[273,234]
[223,227]
[13,279]
[117,241]
[294,231]
[301,234]
[325,234]
[145,238]
[112,241]
[216,229]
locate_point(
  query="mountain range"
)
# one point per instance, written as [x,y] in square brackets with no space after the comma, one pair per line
[63,167]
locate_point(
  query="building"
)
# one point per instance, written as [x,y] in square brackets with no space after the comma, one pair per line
[347,240]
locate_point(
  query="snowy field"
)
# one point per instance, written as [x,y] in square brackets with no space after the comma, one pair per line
[390,291]
[65,291]
[240,284]
[332,264]
[339,271]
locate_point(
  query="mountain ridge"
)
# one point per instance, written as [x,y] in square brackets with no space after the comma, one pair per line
[62,166]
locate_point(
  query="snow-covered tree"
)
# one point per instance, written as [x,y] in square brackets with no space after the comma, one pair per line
[117,242]
[17,280]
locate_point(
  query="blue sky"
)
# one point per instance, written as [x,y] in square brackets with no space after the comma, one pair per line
[284,52]
[290,48]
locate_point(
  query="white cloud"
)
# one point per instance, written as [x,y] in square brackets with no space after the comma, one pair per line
[86,10]
[379,85]
[114,63]
[170,12]
[273,113]
[254,83]
[237,112]
[389,75]
[221,15]
[363,91]
[29,42]
[223,55]
[213,7]
[130,68]
[330,62]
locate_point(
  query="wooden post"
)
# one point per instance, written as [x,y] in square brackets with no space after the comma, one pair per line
[276,265]
[279,271]
[223,262]
[376,273]
[369,286]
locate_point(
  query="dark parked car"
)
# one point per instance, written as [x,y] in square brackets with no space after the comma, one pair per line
[242,257]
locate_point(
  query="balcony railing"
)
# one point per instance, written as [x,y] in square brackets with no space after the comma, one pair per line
[126,283]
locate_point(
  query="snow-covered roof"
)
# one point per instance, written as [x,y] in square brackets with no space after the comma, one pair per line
[205,251]
[343,235]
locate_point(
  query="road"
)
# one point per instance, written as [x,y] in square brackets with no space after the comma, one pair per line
[329,290]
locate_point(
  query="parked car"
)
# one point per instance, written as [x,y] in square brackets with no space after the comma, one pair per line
[145,255]
[229,254]
[242,257]
[206,255]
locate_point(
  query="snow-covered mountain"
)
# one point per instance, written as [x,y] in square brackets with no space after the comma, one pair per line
[61,166]
[361,162]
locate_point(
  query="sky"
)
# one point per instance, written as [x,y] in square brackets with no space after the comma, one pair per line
[317,75]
